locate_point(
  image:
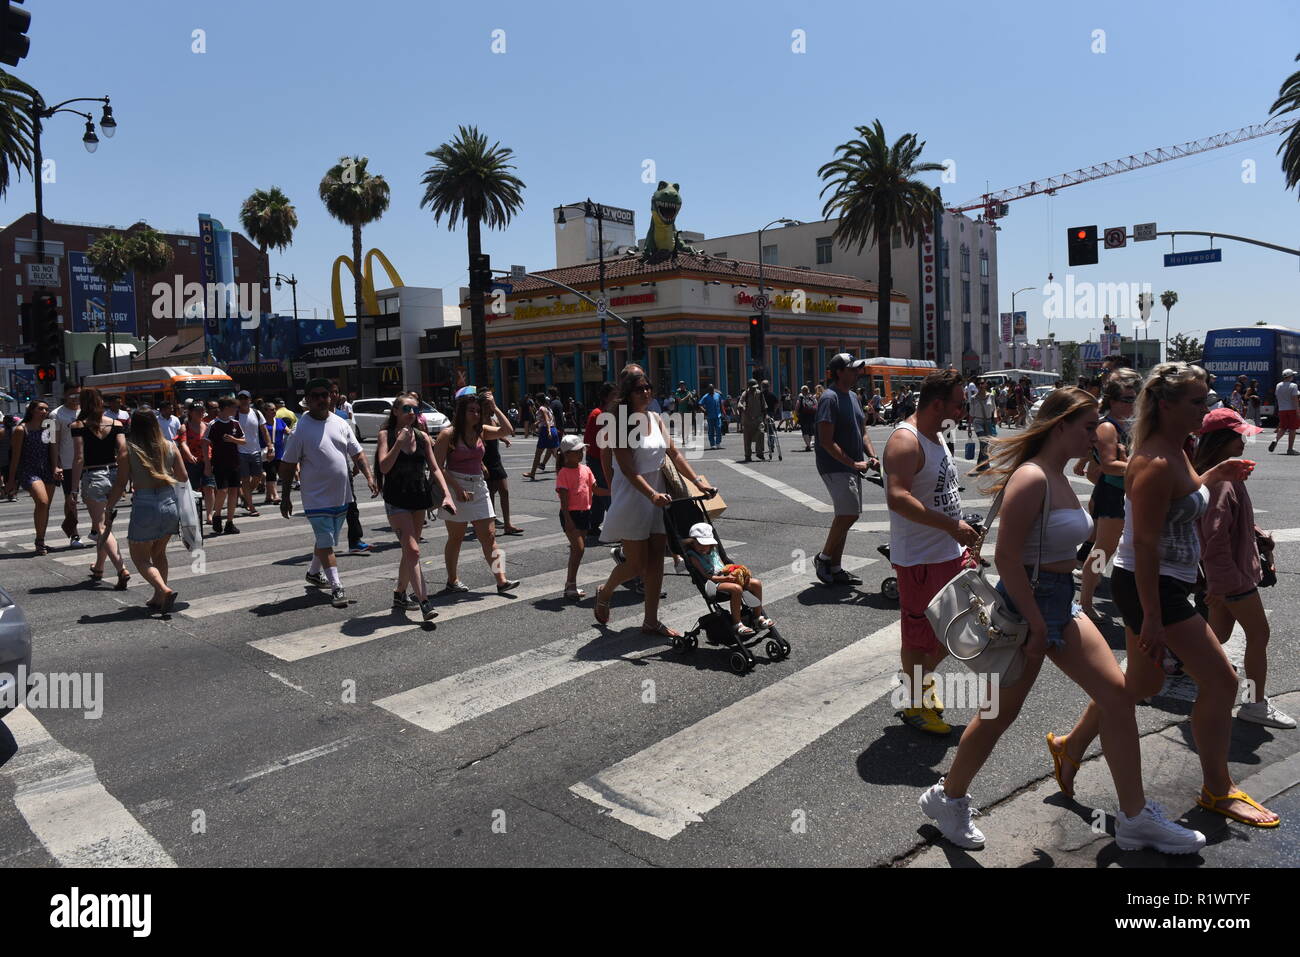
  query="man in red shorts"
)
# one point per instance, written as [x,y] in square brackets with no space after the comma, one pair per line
[1288,418]
[927,536]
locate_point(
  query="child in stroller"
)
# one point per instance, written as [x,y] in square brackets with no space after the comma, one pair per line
[685,519]
[730,581]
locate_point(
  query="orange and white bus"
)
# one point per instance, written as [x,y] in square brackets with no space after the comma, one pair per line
[890,375]
[172,383]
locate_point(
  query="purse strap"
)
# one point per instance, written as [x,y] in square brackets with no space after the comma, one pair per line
[1042,523]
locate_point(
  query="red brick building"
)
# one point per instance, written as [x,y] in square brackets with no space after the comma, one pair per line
[18,247]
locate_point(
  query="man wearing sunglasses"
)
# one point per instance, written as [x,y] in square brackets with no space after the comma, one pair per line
[326,447]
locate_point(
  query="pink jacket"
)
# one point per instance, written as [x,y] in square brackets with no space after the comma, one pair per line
[1228,548]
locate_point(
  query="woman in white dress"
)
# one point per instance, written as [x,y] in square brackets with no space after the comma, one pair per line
[634,443]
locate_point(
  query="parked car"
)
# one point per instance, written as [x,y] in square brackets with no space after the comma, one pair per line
[15,651]
[371,414]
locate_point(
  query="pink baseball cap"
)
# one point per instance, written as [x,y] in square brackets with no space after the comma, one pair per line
[1228,419]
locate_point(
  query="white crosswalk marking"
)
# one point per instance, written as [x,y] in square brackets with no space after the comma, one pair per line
[803,498]
[471,694]
[673,783]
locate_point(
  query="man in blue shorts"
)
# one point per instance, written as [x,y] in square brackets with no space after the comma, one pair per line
[323,444]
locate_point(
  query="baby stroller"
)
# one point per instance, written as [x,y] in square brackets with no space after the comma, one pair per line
[716,625]
[889,587]
[773,440]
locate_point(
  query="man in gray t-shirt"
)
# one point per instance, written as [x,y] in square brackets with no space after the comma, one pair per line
[844,453]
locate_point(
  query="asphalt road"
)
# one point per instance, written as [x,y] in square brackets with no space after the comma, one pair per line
[260,726]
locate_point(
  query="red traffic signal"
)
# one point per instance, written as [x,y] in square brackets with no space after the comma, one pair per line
[1081,243]
[45,375]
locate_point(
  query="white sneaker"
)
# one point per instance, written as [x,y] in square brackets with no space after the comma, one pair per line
[952,816]
[1263,712]
[1153,829]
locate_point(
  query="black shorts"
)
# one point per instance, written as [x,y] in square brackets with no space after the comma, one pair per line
[226,476]
[1175,599]
[581,520]
[1107,500]
[272,470]
[67,482]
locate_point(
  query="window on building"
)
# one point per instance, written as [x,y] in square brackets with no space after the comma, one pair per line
[943,256]
[182,242]
[965,296]
[235,248]
[984,262]
[897,241]
[823,250]
[984,341]
[769,255]
[965,336]
[965,259]
[707,365]
[984,298]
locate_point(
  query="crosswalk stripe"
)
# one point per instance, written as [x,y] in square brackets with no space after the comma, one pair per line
[242,598]
[66,806]
[676,781]
[803,498]
[470,694]
[321,639]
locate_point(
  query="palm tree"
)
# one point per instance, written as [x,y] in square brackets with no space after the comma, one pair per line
[1168,299]
[149,254]
[1288,101]
[110,260]
[16,127]
[471,180]
[875,194]
[269,219]
[355,198]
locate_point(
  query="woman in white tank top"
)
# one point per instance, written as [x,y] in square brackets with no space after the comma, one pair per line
[1032,465]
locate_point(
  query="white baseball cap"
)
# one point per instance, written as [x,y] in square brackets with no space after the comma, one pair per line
[572,443]
[702,532]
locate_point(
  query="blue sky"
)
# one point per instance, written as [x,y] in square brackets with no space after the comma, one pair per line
[711,92]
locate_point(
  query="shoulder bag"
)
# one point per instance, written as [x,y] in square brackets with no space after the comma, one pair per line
[974,621]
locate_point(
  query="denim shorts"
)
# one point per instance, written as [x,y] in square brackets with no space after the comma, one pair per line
[154,514]
[1055,598]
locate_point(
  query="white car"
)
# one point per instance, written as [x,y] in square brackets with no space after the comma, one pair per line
[1042,391]
[371,414]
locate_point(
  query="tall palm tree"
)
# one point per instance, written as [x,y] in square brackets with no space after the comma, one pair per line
[16,127]
[355,198]
[269,220]
[110,260]
[1168,299]
[148,254]
[1288,101]
[875,193]
[471,180]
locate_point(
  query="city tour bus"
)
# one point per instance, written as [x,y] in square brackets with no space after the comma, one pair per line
[1257,352]
[171,383]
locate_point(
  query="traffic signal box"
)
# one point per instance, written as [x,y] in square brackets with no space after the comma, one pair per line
[636,349]
[756,339]
[1081,241]
[480,272]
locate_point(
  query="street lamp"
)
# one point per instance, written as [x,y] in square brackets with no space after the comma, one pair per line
[1015,356]
[293,285]
[108,126]
[762,300]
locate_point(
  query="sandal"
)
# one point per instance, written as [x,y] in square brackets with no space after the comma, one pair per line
[122,579]
[764,622]
[1057,755]
[574,594]
[602,607]
[42,548]
[512,530]
[1237,795]
[169,602]
[97,575]
[741,630]
[660,629]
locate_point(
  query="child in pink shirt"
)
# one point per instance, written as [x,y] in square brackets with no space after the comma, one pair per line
[575,484]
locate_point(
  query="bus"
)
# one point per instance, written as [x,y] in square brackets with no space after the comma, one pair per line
[890,375]
[1036,377]
[172,383]
[1257,352]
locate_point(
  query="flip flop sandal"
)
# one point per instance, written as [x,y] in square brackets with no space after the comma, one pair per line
[1237,795]
[1057,755]
[122,579]
[602,608]
[96,576]
[574,594]
[660,629]
[169,602]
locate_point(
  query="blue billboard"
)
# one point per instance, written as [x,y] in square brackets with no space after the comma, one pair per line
[89,299]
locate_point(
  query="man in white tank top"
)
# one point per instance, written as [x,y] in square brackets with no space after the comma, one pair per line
[927,536]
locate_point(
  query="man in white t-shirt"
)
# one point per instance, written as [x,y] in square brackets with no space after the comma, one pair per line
[168,422]
[1288,411]
[64,453]
[254,450]
[113,408]
[324,445]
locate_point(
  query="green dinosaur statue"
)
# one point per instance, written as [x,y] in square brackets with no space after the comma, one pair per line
[664,238]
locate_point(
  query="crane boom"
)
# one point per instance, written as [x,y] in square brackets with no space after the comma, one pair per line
[994,204]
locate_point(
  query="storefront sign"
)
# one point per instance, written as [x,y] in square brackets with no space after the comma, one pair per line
[268,367]
[329,353]
[929,310]
[786,303]
[574,308]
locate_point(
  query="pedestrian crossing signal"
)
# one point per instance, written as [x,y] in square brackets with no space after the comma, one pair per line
[45,375]
[1081,241]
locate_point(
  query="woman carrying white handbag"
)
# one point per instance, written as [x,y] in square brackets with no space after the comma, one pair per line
[1030,466]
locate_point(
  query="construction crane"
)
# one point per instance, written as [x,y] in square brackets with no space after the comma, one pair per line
[994,205]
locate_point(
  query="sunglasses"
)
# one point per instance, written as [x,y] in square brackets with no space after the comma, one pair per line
[642,388]
[406,408]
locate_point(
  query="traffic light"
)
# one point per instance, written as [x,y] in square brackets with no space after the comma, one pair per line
[14,43]
[1082,244]
[27,325]
[636,348]
[756,339]
[480,272]
[45,374]
[48,336]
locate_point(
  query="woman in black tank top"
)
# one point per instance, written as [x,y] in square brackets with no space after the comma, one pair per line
[99,442]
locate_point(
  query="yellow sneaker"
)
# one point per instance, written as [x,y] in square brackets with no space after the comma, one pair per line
[924,719]
[930,695]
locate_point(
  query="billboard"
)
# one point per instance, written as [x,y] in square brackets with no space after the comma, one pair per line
[89,299]
[1020,327]
[1006,328]
[320,342]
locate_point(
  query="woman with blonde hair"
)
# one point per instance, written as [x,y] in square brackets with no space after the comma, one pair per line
[1109,460]
[1155,572]
[1031,472]
[155,470]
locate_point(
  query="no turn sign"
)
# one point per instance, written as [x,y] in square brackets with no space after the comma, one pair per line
[1116,236]
[760,302]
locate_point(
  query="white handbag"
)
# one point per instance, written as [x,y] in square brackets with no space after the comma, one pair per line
[191,529]
[973,621]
